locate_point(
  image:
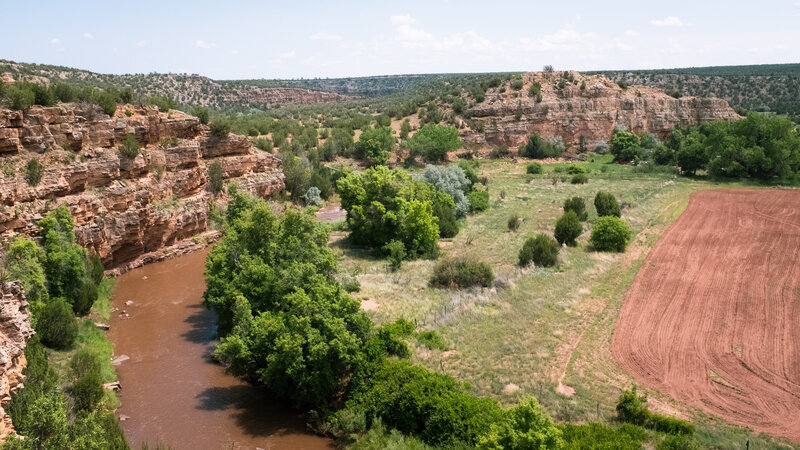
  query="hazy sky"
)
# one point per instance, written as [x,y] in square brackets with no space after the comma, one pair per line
[290,39]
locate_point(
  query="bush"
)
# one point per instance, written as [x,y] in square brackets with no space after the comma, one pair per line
[598,436]
[350,284]
[33,172]
[432,340]
[541,249]
[375,145]
[577,205]
[107,102]
[534,168]
[575,169]
[632,408]
[625,146]
[129,147]
[263,144]
[201,112]
[163,102]
[461,273]
[445,210]
[57,325]
[312,196]
[433,407]
[606,205]
[453,181]
[85,362]
[88,391]
[523,427]
[669,425]
[513,222]
[434,141]
[610,234]
[220,128]
[538,148]
[215,177]
[397,253]
[478,201]
[580,178]
[568,228]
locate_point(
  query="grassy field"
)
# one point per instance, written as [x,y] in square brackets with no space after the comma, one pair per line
[541,332]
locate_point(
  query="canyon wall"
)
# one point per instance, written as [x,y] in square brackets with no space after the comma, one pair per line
[15,330]
[124,209]
[572,106]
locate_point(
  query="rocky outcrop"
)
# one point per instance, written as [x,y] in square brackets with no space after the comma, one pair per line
[123,208]
[15,330]
[572,106]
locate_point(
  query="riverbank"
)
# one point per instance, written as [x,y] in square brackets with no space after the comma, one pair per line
[173,392]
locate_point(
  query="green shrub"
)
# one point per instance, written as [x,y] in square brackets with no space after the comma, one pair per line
[350,284]
[375,145]
[33,172]
[432,340]
[433,141]
[263,144]
[57,325]
[88,391]
[541,249]
[534,168]
[610,234]
[461,273]
[580,178]
[84,296]
[577,205]
[538,148]
[169,142]
[625,146]
[201,112]
[513,222]
[575,169]
[85,362]
[568,228]
[598,436]
[523,427]
[397,253]
[215,177]
[606,205]
[433,407]
[669,425]
[632,408]
[129,147]
[444,208]
[163,102]
[478,201]
[677,442]
[21,98]
[107,102]
[220,128]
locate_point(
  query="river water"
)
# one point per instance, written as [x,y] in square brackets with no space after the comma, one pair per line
[172,392]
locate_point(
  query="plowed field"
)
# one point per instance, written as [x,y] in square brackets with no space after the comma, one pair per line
[713,316]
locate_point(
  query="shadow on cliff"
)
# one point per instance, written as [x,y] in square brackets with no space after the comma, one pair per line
[256,411]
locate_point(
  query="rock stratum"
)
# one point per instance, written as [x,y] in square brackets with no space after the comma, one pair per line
[126,210]
[15,330]
[572,106]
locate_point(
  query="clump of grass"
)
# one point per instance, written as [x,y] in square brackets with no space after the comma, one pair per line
[432,340]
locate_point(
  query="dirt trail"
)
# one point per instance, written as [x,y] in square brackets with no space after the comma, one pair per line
[712,317]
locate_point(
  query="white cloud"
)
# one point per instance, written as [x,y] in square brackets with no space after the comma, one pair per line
[88,35]
[55,41]
[625,47]
[669,21]
[323,36]
[632,33]
[206,45]
[407,34]
[234,52]
[289,54]
[141,43]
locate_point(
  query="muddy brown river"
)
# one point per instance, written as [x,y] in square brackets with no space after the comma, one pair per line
[172,392]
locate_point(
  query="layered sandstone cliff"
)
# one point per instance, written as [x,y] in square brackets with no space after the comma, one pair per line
[123,208]
[15,330]
[572,106]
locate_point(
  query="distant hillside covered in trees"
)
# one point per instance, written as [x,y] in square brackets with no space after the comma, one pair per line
[767,87]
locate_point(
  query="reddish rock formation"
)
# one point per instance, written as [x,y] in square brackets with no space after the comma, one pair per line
[123,208]
[573,105]
[15,330]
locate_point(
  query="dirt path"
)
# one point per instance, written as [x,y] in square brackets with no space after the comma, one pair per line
[712,316]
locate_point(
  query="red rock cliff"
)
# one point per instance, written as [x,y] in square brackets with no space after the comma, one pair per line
[15,330]
[573,105]
[123,208]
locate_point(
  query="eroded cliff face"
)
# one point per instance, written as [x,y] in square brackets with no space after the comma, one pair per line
[15,330]
[573,105]
[124,209]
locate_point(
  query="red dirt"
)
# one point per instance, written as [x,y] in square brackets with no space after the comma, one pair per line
[713,316]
